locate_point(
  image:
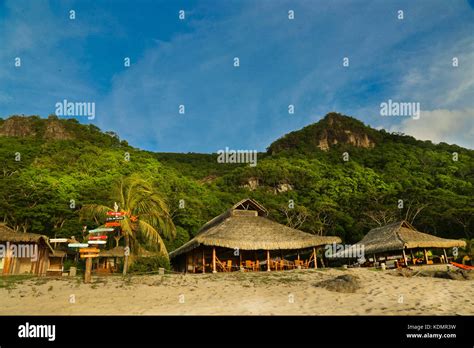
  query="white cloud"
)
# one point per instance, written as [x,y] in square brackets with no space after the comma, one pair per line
[441,125]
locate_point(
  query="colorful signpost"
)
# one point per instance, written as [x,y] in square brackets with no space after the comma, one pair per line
[96,237]
[88,254]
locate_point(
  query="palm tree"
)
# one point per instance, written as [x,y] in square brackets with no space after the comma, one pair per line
[147,217]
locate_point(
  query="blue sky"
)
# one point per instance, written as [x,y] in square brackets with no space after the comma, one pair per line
[282,62]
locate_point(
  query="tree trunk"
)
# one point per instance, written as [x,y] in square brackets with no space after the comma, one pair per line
[127,248]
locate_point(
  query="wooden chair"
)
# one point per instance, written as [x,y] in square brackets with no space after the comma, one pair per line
[229,266]
[249,265]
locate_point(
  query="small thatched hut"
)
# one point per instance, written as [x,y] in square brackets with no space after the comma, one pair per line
[244,238]
[401,236]
[108,260]
[23,253]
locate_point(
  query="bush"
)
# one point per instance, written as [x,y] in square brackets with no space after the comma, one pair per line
[149,264]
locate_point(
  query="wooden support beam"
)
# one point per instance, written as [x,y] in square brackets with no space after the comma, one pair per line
[203,261]
[426,255]
[315,258]
[298,255]
[268,260]
[214,270]
[445,256]
[412,257]
[87,274]
[405,257]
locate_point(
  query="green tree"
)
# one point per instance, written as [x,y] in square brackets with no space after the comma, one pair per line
[146,219]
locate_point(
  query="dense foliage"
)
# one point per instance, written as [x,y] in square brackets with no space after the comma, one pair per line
[44,190]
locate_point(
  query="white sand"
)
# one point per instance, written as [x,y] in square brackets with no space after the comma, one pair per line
[268,293]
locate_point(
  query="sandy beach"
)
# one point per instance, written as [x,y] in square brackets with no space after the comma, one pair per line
[263,293]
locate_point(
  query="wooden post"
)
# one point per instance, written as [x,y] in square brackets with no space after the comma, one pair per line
[412,257]
[298,255]
[426,255]
[375,259]
[214,260]
[7,262]
[240,257]
[405,257]
[203,262]
[268,260]
[315,258]
[445,256]
[87,274]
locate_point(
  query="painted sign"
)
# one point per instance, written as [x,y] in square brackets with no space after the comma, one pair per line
[78,245]
[116,213]
[97,242]
[97,237]
[85,256]
[98,230]
[58,240]
[115,218]
[89,250]
[112,224]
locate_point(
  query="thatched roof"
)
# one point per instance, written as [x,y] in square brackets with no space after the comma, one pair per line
[401,235]
[9,235]
[245,226]
[118,251]
[57,253]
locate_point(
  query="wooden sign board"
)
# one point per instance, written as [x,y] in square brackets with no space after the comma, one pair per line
[89,250]
[116,213]
[78,245]
[97,242]
[85,256]
[58,240]
[99,230]
[115,218]
[97,237]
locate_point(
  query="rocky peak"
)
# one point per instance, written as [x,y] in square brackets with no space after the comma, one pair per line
[55,130]
[33,126]
[17,126]
[333,129]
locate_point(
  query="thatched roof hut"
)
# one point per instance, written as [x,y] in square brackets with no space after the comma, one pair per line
[118,251]
[9,235]
[245,226]
[250,229]
[35,246]
[401,235]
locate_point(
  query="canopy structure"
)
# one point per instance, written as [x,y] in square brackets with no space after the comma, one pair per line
[399,236]
[245,227]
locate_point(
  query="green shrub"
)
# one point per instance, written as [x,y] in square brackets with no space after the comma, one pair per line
[149,264]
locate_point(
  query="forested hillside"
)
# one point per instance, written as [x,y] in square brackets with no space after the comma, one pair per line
[335,177]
